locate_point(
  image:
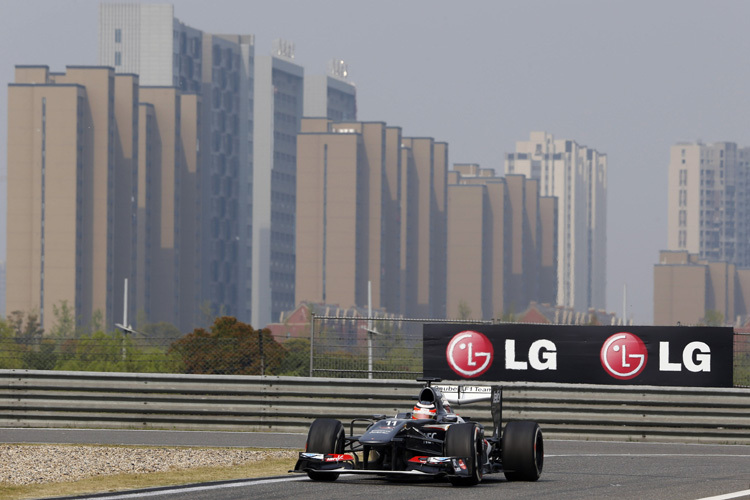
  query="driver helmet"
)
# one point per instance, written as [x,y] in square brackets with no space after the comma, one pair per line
[424,410]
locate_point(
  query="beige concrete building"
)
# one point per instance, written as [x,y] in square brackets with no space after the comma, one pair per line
[688,289]
[148,212]
[577,176]
[361,189]
[423,230]
[347,213]
[501,243]
[70,235]
[164,273]
[214,169]
[470,253]
[331,265]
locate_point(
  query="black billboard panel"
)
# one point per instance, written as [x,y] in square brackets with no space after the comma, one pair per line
[635,355]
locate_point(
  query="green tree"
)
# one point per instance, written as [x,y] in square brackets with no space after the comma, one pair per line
[296,362]
[11,353]
[713,318]
[508,317]
[28,333]
[230,347]
[464,311]
[113,352]
[97,322]
[160,334]
[65,323]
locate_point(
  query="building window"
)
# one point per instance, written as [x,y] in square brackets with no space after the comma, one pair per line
[118,35]
[683,218]
[118,58]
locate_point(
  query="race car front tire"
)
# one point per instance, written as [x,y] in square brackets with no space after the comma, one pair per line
[465,440]
[523,451]
[326,435]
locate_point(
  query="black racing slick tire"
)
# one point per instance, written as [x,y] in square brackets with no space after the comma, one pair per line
[326,435]
[523,451]
[465,440]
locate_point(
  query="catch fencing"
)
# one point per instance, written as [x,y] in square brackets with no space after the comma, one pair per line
[369,347]
[382,348]
[326,346]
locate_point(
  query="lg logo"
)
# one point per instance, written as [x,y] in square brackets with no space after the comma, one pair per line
[624,356]
[469,354]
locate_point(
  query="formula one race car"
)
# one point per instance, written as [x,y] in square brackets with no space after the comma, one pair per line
[429,441]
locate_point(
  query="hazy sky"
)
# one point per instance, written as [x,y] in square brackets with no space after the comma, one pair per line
[628,78]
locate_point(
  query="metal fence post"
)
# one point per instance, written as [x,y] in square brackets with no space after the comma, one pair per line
[312,335]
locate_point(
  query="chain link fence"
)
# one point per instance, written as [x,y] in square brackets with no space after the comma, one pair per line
[742,359]
[368,347]
[331,346]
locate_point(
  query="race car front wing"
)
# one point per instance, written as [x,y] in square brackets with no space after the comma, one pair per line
[347,464]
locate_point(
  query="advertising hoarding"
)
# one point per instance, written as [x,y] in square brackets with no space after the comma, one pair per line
[634,355]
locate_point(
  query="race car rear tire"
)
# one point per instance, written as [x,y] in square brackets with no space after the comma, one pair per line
[326,435]
[523,451]
[465,440]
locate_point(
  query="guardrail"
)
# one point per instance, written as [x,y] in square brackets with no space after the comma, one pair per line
[35,398]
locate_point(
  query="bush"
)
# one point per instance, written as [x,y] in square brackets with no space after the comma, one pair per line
[231,347]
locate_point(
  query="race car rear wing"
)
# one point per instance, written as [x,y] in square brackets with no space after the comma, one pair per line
[466,394]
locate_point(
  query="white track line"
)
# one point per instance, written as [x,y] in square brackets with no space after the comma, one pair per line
[736,494]
[642,455]
[190,489]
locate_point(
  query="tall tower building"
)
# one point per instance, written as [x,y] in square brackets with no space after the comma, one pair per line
[277,113]
[709,201]
[72,182]
[2,287]
[348,228]
[705,268]
[147,40]
[212,242]
[423,226]
[501,243]
[332,216]
[577,176]
[331,95]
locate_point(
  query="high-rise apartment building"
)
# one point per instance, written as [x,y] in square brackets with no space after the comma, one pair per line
[331,95]
[348,227]
[147,40]
[577,176]
[71,187]
[371,208]
[423,226]
[212,240]
[501,243]
[169,170]
[704,273]
[279,90]
[2,287]
[709,201]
